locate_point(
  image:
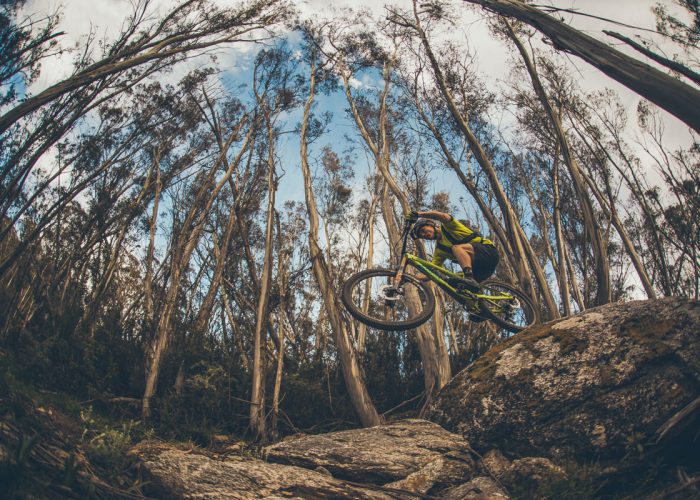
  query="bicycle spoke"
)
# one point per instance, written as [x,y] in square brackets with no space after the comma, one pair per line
[372,297]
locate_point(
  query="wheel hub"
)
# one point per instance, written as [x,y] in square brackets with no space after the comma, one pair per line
[390,294]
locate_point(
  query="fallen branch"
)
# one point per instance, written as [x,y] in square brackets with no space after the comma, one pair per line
[679,421]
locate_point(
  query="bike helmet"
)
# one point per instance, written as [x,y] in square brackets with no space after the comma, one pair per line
[419,224]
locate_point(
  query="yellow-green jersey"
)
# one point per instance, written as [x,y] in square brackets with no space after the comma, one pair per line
[455,233]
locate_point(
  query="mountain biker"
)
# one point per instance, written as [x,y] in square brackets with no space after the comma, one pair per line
[476,255]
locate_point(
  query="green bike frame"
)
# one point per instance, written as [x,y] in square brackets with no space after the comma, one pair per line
[435,273]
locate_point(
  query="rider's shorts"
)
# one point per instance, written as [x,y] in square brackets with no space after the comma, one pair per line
[485,261]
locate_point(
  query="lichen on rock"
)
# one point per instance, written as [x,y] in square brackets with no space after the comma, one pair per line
[414,454]
[581,386]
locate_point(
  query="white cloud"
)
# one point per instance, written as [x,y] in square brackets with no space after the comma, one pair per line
[355,83]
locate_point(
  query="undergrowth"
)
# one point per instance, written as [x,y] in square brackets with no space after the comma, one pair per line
[47,438]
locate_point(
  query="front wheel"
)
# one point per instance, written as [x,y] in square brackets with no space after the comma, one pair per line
[507,306]
[372,297]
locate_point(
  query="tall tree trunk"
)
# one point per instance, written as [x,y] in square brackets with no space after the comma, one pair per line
[434,356]
[561,244]
[183,247]
[348,360]
[674,96]
[362,328]
[438,334]
[454,345]
[257,398]
[600,252]
[575,287]
[152,225]
[282,279]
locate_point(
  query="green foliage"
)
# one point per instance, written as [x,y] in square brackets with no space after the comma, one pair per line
[205,404]
[393,369]
[106,443]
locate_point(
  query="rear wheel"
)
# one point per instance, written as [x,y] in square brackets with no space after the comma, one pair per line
[372,298]
[507,306]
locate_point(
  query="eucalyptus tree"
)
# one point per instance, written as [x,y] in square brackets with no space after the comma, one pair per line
[284,252]
[273,88]
[201,195]
[354,382]
[676,97]
[23,45]
[149,44]
[352,50]
[145,47]
[588,215]
[622,183]
[78,235]
[525,263]
[111,170]
[672,207]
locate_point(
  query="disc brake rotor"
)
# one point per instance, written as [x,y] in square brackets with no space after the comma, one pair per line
[389,293]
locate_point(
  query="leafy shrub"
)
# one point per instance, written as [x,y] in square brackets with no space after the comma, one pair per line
[107,447]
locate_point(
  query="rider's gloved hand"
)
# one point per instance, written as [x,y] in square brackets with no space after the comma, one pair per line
[412,216]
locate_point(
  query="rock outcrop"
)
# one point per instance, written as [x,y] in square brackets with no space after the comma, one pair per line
[595,387]
[585,387]
[177,473]
[402,460]
[410,454]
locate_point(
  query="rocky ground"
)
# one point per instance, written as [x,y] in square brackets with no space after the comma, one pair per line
[605,404]
[408,459]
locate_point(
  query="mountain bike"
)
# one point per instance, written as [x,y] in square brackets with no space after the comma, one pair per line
[393,299]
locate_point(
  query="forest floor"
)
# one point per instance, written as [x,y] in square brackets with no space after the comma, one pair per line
[53,446]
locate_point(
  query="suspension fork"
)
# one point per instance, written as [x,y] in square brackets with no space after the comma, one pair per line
[402,265]
[402,268]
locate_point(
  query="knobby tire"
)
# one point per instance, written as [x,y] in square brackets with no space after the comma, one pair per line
[354,284]
[495,313]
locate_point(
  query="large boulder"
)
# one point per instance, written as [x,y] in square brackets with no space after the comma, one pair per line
[599,384]
[171,472]
[405,459]
[414,455]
